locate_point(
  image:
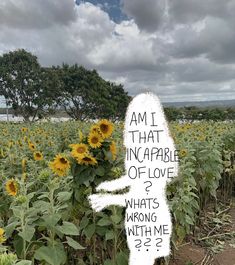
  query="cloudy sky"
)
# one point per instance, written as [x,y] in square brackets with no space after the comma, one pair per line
[180,49]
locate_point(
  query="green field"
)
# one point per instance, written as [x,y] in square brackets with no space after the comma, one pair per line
[49,169]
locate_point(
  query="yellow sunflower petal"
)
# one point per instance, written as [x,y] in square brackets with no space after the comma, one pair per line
[78,150]
[113,150]
[95,140]
[60,165]
[87,160]
[105,128]
[11,187]
[32,146]
[37,156]
[2,231]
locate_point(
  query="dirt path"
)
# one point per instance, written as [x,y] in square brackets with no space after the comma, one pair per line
[227,257]
[191,254]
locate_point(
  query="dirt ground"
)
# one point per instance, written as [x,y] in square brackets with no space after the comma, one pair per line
[191,254]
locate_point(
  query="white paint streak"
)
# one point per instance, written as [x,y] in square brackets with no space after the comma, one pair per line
[146,189]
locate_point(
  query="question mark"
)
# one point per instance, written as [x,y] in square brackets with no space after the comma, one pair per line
[138,246]
[148,186]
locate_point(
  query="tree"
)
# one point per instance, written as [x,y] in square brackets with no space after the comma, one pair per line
[120,101]
[172,114]
[34,91]
[86,95]
[24,84]
[50,92]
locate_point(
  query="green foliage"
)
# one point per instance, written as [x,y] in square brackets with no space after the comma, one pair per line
[196,113]
[86,95]
[8,259]
[49,220]
[23,83]
[35,92]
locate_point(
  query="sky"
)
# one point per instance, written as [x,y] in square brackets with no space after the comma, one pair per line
[182,50]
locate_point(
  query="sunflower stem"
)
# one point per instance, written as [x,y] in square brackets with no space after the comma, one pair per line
[51,198]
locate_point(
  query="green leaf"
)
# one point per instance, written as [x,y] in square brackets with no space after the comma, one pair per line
[43,195]
[51,220]
[109,155]
[109,235]
[17,211]
[31,195]
[24,262]
[122,259]
[101,230]
[100,171]
[64,196]
[27,234]
[85,175]
[10,228]
[109,262]
[181,233]
[89,230]
[74,244]
[18,245]
[116,218]
[68,229]
[189,220]
[104,222]
[52,255]
[84,222]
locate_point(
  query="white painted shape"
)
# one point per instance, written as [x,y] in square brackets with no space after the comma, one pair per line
[146,255]
[116,184]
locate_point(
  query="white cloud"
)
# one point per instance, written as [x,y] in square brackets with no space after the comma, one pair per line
[126,49]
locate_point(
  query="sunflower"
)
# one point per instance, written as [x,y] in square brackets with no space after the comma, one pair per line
[2,231]
[2,238]
[95,140]
[32,146]
[105,128]
[60,165]
[183,153]
[37,156]
[113,150]
[78,150]
[87,160]
[11,187]
[95,128]
[24,129]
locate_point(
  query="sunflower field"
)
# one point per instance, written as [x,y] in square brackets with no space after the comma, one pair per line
[48,170]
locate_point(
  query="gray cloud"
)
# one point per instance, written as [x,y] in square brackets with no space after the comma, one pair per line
[148,15]
[216,45]
[189,11]
[200,70]
[187,55]
[36,14]
[59,43]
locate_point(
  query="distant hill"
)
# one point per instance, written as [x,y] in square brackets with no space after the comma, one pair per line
[202,104]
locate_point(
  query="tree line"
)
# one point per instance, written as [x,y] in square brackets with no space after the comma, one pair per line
[33,91]
[195,113]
